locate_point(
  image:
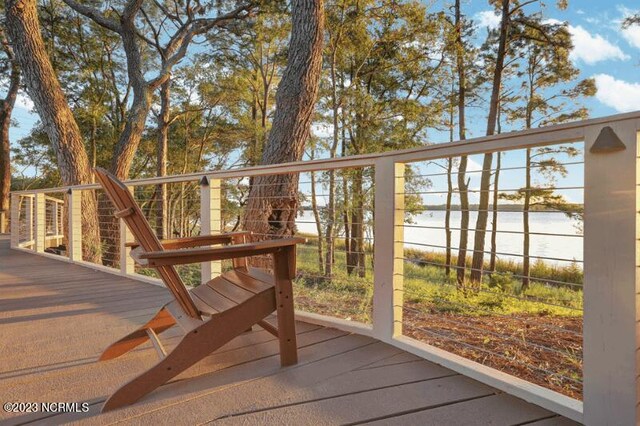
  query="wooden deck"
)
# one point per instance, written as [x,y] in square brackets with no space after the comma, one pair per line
[50,311]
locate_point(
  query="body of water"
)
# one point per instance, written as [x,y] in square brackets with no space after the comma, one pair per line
[554,237]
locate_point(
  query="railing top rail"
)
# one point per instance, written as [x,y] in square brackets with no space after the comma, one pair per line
[550,135]
[55,200]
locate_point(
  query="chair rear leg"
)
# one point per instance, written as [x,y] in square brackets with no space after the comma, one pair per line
[160,322]
[196,344]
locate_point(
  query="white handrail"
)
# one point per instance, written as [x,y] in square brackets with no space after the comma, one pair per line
[550,135]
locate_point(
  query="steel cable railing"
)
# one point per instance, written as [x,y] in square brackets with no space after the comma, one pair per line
[521,311]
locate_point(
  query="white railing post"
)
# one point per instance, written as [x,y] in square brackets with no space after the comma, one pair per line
[61,218]
[40,222]
[388,249]
[74,225]
[611,275]
[56,221]
[60,222]
[3,221]
[127,264]
[15,220]
[28,217]
[210,221]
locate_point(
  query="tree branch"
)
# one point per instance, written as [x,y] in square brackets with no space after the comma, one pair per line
[95,15]
[177,47]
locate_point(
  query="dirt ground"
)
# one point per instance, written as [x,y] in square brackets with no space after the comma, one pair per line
[540,349]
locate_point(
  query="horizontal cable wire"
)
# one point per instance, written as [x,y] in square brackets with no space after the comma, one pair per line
[557,259]
[504,273]
[531,299]
[476,191]
[498,231]
[502,169]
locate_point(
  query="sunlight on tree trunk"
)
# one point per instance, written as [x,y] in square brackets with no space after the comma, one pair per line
[477,262]
[463,183]
[6,108]
[161,158]
[272,204]
[44,90]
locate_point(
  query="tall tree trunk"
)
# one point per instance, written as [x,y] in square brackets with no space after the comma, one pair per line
[94,142]
[447,217]
[526,262]
[526,240]
[134,126]
[494,210]
[330,236]
[44,90]
[162,150]
[463,184]
[485,181]
[356,254]
[447,214]
[494,213]
[346,202]
[254,159]
[6,108]
[316,216]
[331,204]
[272,203]
[131,135]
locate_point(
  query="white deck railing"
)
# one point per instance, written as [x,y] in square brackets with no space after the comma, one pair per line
[611,231]
[42,222]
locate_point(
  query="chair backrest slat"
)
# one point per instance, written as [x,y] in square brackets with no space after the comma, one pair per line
[123,200]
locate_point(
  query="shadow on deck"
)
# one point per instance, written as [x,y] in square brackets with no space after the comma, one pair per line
[56,318]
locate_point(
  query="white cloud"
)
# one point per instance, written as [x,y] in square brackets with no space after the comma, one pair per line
[632,35]
[552,21]
[588,48]
[591,49]
[593,20]
[487,18]
[24,102]
[617,94]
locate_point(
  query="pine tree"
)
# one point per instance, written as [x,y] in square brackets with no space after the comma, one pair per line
[515,27]
[549,97]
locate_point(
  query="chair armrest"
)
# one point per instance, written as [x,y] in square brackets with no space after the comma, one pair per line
[197,241]
[197,255]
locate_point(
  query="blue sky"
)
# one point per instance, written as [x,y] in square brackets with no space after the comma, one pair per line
[602,50]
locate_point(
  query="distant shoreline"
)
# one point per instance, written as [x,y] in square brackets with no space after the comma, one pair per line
[474,207]
[504,208]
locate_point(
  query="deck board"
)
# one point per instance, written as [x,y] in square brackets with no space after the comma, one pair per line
[496,410]
[56,318]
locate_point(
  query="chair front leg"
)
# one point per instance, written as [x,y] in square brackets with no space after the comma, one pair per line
[160,322]
[284,272]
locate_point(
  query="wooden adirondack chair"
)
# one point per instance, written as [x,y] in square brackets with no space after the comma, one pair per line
[211,314]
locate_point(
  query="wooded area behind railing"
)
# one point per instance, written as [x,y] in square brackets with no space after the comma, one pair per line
[541,304]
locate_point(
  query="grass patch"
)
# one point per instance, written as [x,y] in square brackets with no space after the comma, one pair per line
[427,284]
